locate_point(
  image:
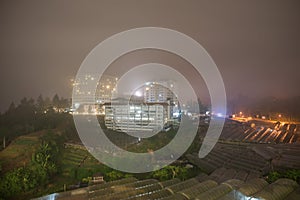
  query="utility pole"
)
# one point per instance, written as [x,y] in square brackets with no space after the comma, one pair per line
[4,145]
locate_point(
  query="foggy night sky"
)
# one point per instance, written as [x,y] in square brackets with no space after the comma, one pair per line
[255,44]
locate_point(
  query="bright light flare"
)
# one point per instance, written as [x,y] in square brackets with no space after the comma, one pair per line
[138,93]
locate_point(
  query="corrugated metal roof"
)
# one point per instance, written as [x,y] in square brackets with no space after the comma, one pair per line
[233,189]
[280,189]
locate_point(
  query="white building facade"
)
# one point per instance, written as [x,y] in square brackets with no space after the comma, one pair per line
[135,117]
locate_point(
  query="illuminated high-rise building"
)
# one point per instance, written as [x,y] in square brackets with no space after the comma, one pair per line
[84,88]
[157,92]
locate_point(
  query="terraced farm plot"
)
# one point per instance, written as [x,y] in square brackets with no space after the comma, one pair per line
[74,156]
[78,159]
[19,152]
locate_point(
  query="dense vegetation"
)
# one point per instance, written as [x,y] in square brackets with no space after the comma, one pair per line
[44,165]
[293,174]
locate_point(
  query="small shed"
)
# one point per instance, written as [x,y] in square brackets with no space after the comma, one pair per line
[97,178]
